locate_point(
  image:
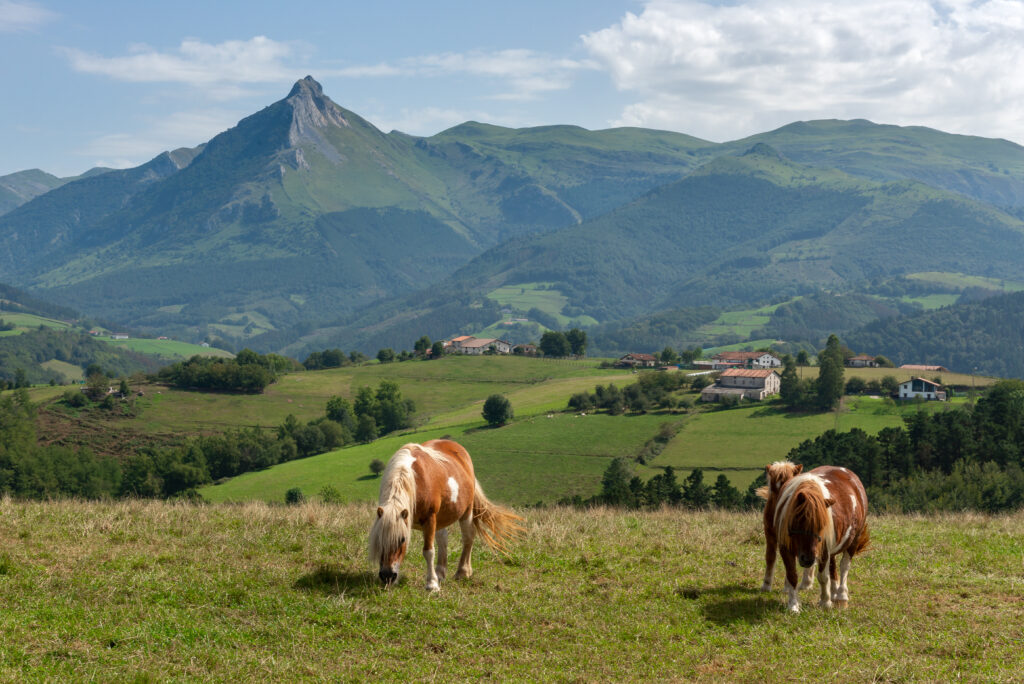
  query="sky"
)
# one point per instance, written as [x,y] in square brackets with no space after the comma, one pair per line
[114,83]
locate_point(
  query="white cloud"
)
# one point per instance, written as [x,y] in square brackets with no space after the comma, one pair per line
[724,71]
[22,16]
[520,74]
[227,64]
[123,150]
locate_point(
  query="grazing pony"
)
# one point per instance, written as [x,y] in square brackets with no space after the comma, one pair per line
[777,474]
[428,487]
[819,515]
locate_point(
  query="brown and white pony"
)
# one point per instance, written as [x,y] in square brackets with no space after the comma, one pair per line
[818,516]
[777,474]
[428,487]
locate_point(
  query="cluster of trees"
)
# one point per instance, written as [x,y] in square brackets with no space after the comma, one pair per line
[373,412]
[33,471]
[823,392]
[950,460]
[561,344]
[333,358]
[651,390]
[247,372]
[621,489]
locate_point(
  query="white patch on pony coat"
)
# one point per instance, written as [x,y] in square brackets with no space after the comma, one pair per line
[453,488]
[853,500]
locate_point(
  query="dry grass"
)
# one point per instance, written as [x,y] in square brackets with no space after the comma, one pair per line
[158,591]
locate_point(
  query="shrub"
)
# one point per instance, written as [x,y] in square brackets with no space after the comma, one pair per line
[294,496]
[497,410]
[377,466]
[330,495]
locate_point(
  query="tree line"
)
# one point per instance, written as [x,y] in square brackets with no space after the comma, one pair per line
[31,470]
[964,458]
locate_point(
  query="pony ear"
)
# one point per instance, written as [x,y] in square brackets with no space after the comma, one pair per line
[380,511]
[799,469]
[829,502]
[768,468]
[405,514]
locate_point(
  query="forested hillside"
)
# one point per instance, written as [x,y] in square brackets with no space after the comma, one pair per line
[983,337]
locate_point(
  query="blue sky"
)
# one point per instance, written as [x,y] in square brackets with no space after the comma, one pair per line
[115,83]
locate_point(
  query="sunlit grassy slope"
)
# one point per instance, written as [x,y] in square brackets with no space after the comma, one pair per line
[544,455]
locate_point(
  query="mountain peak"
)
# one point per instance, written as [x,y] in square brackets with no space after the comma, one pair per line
[307,85]
[312,110]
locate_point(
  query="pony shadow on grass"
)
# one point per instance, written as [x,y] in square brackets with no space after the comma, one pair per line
[733,603]
[334,581]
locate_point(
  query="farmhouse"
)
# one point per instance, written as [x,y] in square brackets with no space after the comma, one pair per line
[861,361]
[754,384]
[638,361]
[749,359]
[476,345]
[455,344]
[919,387]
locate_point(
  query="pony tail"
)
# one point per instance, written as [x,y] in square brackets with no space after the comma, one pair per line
[495,524]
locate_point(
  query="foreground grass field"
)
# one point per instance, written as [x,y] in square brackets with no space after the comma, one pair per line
[148,591]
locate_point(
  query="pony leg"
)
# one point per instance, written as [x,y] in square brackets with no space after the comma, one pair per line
[825,580]
[465,561]
[808,579]
[791,574]
[429,527]
[441,562]
[842,593]
[769,563]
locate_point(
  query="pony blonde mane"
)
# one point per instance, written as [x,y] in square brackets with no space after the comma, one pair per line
[397,494]
[810,513]
[780,471]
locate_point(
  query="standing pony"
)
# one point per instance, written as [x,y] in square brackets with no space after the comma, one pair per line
[777,474]
[819,515]
[428,487]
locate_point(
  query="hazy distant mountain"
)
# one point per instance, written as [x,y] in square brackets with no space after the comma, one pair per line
[304,213]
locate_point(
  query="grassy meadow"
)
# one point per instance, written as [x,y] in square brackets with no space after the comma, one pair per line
[24,321]
[154,591]
[544,455]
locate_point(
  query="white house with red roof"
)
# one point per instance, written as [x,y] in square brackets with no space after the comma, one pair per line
[754,384]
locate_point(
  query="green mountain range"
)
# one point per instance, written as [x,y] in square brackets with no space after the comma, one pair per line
[304,226]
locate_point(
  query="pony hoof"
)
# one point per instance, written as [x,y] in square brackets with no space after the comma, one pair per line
[824,603]
[441,574]
[463,574]
[842,604]
[794,609]
[433,587]
[767,586]
[804,585]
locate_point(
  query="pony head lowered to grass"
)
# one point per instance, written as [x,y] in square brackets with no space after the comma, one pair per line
[428,487]
[820,515]
[777,474]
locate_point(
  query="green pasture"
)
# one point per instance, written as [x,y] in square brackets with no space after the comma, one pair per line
[537,459]
[70,371]
[749,345]
[24,321]
[962,280]
[933,301]
[526,296]
[170,350]
[738,323]
[741,441]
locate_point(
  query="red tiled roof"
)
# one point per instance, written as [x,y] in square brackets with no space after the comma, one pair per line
[747,373]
